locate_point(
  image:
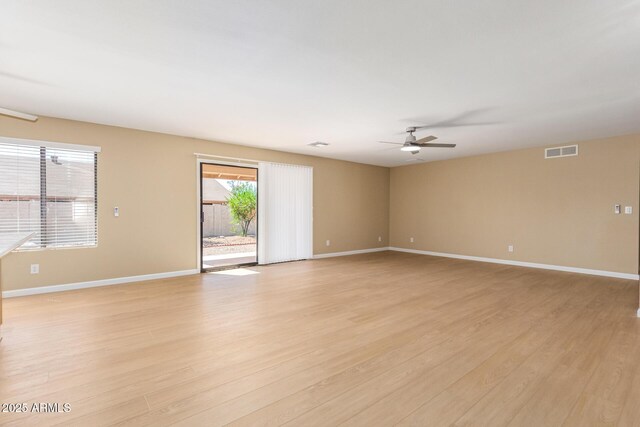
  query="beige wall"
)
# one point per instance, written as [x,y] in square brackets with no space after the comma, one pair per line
[556,211]
[152,178]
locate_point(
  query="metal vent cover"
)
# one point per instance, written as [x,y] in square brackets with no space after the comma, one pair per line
[566,151]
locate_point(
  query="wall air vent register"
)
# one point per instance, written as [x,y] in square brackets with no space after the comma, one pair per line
[567,151]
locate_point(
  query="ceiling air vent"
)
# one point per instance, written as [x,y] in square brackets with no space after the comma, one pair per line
[569,150]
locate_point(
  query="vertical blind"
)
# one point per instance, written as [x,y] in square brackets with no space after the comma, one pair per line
[285,212]
[49,189]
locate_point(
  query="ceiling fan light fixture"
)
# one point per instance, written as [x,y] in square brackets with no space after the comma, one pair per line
[410,148]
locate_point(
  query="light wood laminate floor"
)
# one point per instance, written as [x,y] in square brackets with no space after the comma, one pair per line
[377,339]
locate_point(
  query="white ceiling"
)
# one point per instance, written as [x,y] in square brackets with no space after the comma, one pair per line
[494,74]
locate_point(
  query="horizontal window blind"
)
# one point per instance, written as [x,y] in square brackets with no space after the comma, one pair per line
[20,190]
[51,191]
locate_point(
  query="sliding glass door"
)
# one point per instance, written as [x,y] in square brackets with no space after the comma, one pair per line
[228,216]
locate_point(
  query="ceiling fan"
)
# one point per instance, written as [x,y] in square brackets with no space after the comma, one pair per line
[413,145]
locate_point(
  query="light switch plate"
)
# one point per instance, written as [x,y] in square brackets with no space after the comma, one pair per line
[616,209]
[116,211]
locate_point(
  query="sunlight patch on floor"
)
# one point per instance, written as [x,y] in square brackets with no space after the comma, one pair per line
[236,272]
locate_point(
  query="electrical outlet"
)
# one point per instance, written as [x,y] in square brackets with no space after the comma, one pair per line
[628,210]
[379,238]
[35,268]
[510,248]
[328,243]
[411,239]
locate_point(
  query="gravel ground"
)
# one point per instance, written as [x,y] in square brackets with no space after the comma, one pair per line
[218,250]
[228,245]
[210,242]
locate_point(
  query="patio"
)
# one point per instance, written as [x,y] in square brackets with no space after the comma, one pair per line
[228,250]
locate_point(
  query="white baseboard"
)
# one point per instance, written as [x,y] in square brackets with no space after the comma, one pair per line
[359,251]
[144,277]
[524,264]
[95,283]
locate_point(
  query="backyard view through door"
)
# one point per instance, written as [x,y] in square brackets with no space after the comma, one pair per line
[229,215]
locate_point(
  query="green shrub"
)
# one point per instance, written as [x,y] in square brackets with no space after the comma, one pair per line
[242,203]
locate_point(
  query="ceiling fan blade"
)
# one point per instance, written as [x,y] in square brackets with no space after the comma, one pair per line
[18,114]
[394,143]
[385,149]
[435,145]
[466,118]
[426,139]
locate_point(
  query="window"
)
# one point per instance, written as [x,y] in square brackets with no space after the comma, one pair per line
[50,189]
